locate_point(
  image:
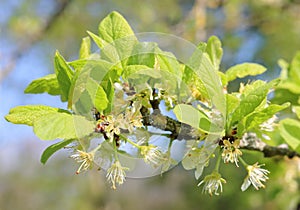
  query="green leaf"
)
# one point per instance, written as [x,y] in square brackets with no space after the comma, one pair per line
[141,73]
[98,40]
[252,99]
[296,109]
[96,70]
[97,94]
[47,84]
[61,125]
[289,130]
[200,69]
[49,151]
[113,27]
[294,70]
[214,51]
[108,87]
[85,48]
[64,74]
[257,118]
[29,114]
[167,61]
[243,70]
[193,117]
[143,53]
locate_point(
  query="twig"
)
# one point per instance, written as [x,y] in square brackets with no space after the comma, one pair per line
[251,142]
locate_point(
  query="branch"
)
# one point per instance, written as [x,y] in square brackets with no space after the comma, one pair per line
[251,142]
[183,131]
[61,7]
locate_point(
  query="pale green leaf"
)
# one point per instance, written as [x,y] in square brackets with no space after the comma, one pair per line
[257,118]
[296,109]
[113,27]
[49,151]
[85,48]
[61,125]
[97,94]
[214,51]
[200,69]
[243,70]
[294,70]
[191,160]
[289,130]
[193,117]
[47,84]
[143,53]
[252,100]
[64,74]
[98,40]
[29,114]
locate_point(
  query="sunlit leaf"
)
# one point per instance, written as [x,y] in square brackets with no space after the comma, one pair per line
[257,118]
[98,40]
[251,100]
[29,113]
[85,48]
[47,84]
[97,94]
[214,51]
[191,116]
[243,70]
[289,130]
[61,125]
[113,27]
[64,74]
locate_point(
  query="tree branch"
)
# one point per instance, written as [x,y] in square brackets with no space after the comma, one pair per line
[251,142]
[183,131]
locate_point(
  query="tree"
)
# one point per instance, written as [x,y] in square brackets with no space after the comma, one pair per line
[132,100]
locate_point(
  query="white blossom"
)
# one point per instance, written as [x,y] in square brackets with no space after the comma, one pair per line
[256,176]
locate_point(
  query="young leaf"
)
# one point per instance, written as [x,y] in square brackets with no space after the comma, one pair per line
[289,130]
[92,69]
[257,118]
[47,84]
[98,40]
[29,113]
[294,73]
[296,109]
[97,94]
[243,70]
[49,151]
[62,125]
[203,70]
[113,27]
[251,100]
[193,117]
[85,48]
[214,51]
[64,74]
[143,53]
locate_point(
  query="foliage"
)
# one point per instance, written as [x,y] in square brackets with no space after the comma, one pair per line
[119,98]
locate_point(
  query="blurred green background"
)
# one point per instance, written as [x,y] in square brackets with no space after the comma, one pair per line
[31,30]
